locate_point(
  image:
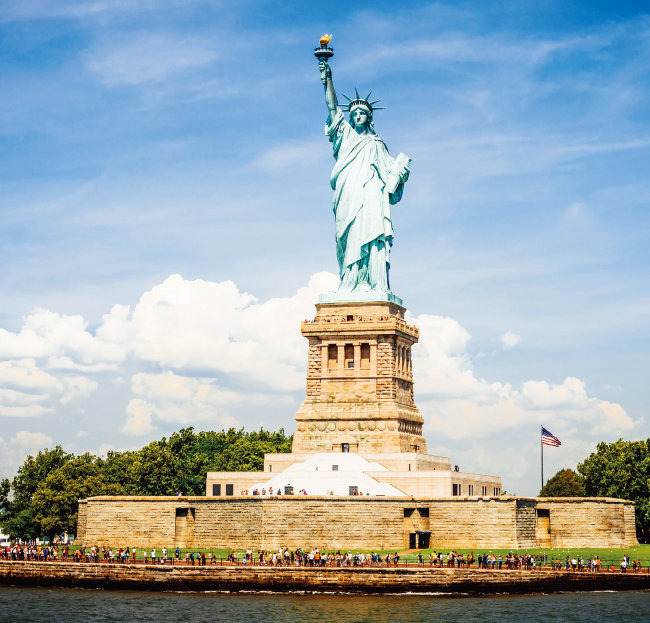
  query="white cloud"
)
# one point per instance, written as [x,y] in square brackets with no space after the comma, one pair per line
[169,397]
[288,154]
[138,421]
[204,352]
[25,411]
[24,374]
[28,389]
[199,325]
[177,399]
[14,450]
[543,395]
[75,9]
[457,404]
[31,442]
[66,363]
[615,418]
[65,339]
[148,58]
[509,340]
[77,387]
[13,397]
[441,362]
[462,48]
[575,211]
[179,325]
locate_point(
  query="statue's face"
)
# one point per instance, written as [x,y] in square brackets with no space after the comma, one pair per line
[360,119]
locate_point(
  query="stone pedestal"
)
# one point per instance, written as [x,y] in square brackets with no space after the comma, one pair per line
[359,381]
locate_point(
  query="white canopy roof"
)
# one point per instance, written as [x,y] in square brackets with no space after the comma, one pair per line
[328,473]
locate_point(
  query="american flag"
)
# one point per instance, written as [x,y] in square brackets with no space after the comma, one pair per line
[549,439]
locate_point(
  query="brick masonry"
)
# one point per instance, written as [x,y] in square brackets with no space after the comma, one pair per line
[363,400]
[353,522]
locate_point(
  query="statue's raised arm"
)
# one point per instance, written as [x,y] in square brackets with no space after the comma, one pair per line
[330,94]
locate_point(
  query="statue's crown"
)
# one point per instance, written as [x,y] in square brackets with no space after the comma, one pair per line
[362,101]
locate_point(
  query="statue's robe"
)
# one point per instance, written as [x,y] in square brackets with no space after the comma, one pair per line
[364,231]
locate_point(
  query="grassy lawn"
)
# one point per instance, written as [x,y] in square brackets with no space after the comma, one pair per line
[607,555]
[171,551]
[639,552]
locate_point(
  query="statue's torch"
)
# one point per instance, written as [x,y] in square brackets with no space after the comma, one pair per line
[323,52]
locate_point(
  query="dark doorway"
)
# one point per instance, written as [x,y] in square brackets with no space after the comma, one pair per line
[345,447]
[424,538]
[412,540]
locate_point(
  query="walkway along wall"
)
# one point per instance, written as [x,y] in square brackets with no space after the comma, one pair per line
[327,579]
[355,522]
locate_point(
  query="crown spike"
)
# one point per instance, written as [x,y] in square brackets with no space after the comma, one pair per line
[362,101]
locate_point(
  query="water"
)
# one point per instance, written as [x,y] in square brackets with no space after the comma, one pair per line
[72,605]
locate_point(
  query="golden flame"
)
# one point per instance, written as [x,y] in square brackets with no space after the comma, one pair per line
[325,39]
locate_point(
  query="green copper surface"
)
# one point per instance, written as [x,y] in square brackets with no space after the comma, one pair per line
[366,181]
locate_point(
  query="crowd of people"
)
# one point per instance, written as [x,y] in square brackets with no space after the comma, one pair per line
[483,561]
[29,552]
[314,558]
[278,492]
[594,564]
[309,558]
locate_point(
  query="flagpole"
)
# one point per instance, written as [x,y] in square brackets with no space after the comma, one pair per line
[541,452]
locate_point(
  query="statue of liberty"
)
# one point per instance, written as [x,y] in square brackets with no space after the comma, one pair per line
[366,181]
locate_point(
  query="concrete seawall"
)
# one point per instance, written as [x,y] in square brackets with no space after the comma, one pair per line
[328,579]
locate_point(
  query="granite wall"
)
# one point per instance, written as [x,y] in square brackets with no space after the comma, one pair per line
[355,522]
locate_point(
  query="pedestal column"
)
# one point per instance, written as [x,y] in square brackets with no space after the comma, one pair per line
[370,408]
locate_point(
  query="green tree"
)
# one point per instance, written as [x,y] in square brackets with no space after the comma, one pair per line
[622,470]
[5,491]
[18,518]
[43,497]
[55,502]
[116,469]
[181,462]
[247,454]
[155,470]
[565,484]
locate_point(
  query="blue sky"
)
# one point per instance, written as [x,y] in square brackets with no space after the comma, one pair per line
[165,217]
